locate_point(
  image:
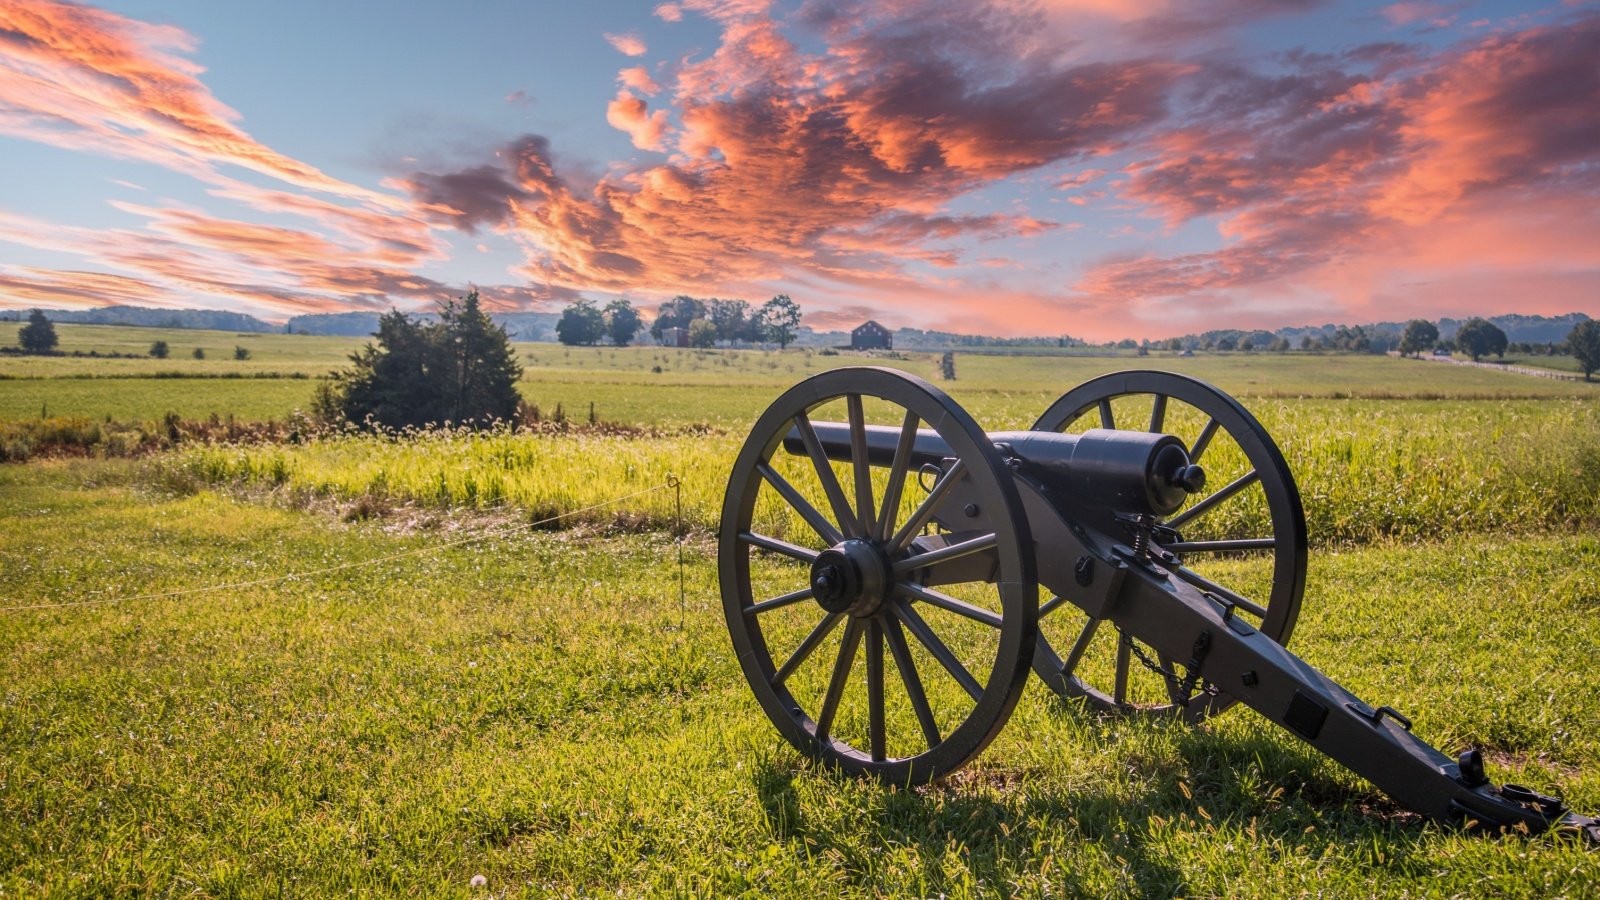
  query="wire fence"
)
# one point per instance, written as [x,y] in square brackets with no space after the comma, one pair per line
[671,483]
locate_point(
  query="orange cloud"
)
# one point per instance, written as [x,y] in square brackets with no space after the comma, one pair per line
[630,114]
[638,78]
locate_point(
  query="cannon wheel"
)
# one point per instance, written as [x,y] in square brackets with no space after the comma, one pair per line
[1090,406]
[942,714]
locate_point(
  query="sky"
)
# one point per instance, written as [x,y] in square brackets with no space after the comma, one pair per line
[1094,168]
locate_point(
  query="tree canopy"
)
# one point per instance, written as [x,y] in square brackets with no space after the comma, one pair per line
[777,320]
[1479,338]
[622,322]
[581,323]
[1584,341]
[460,370]
[1419,335]
[39,335]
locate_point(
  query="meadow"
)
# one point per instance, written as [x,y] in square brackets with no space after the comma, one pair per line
[452,687]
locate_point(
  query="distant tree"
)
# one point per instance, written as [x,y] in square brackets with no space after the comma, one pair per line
[39,335]
[1444,345]
[1175,344]
[731,318]
[678,312]
[460,369]
[622,321]
[947,365]
[1480,337]
[1226,342]
[777,320]
[1307,342]
[1247,344]
[1584,339]
[1419,335]
[199,353]
[581,323]
[241,353]
[160,350]
[1279,345]
[702,333]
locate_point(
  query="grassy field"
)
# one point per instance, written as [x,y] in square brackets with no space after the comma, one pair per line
[462,694]
[668,386]
[529,709]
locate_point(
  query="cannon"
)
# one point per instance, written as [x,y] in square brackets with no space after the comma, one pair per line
[868,514]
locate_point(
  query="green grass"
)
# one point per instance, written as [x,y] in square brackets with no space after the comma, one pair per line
[528,708]
[725,388]
[1366,469]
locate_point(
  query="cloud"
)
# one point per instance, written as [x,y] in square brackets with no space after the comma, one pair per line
[90,80]
[628,44]
[1346,186]
[630,114]
[669,12]
[638,78]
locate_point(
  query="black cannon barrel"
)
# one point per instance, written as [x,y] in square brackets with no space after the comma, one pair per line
[1126,471]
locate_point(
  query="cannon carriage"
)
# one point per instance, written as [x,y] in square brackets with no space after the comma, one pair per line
[891,574]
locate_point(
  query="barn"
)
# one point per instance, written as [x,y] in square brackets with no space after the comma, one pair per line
[869,335]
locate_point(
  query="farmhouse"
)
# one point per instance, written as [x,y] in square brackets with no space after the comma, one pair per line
[869,335]
[674,337]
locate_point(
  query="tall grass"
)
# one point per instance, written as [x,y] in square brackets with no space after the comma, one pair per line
[1366,469]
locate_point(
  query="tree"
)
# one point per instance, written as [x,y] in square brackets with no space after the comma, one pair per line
[622,322]
[1584,339]
[730,317]
[702,333]
[676,313]
[160,350]
[777,320]
[1420,335]
[39,335]
[581,323]
[460,370]
[199,353]
[1479,338]
[241,353]
[483,367]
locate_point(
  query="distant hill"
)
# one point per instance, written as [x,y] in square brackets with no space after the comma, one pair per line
[210,319]
[919,339]
[1519,328]
[521,326]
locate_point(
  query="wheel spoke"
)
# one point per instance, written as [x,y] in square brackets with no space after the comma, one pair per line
[1051,605]
[1206,584]
[897,476]
[926,509]
[1158,413]
[807,646]
[841,677]
[824,529]
[936,647]
[875,730]
[825,473]
[1203,441]
[803,554]
[913,682]
[949,603]
[1119,694]
[1222,495]
[863,469]
[1221,546]
[1079,647]
[779,602]
[944,554]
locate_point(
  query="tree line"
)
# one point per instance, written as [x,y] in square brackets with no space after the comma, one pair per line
[705,323]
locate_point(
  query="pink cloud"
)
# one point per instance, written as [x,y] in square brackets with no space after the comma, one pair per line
[638,78]
[669,12]
[628,44]
[630,114]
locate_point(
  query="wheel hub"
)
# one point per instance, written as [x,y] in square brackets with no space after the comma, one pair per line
[851,577]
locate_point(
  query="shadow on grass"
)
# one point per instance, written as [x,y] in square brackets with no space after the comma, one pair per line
[1278,797]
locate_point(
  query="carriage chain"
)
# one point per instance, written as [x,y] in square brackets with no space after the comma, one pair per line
[1181,687]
